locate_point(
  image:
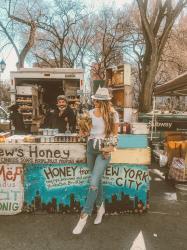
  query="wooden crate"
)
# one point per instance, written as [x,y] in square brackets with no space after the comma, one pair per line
[132,156]
[118,98]
[132,141]
[117,78]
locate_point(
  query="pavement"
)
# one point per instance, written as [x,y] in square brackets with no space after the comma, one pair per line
[164,227]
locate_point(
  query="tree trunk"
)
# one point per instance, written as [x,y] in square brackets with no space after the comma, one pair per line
[61,52]
[146,99]
[155,32]
[148,85]
[28,46]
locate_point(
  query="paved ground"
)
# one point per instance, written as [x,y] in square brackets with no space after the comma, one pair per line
[163,228]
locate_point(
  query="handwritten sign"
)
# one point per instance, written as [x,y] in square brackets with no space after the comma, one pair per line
[41,153]
[66,175]
[63,187]
[11,189]
[126,176]
[56,188]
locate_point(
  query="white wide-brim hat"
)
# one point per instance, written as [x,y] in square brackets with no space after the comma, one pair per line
[101,94]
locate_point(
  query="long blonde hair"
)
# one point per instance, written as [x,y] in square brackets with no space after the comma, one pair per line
[107,113]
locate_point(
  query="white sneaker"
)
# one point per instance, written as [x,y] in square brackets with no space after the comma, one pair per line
[100,213]
[80,225]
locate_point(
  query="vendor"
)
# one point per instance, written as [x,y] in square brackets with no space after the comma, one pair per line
[63,117]
[16,119]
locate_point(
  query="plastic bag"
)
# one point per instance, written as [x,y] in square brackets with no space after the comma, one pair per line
[163,160]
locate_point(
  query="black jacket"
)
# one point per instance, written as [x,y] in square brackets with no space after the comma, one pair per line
[17,121]
[56,121]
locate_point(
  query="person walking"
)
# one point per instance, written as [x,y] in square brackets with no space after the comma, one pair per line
[102,139]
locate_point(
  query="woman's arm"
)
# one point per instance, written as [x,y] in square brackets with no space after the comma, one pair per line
[115,129]
[116,122]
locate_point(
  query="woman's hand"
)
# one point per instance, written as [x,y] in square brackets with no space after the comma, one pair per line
[108,149]
[83,133]
[106,155]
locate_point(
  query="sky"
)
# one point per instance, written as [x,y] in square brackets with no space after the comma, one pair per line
[10,57]
[98,3]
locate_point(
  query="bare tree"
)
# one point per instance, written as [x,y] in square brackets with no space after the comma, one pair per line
[78,42]
[28,16]
[57,42]
[174,58]
[157,19]
[111,28]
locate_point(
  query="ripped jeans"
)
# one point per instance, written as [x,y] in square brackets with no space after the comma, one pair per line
[97,164]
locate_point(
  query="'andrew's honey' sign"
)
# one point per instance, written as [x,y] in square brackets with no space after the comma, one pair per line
[53,153]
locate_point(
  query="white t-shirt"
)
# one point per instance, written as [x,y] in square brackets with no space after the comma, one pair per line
[98,125]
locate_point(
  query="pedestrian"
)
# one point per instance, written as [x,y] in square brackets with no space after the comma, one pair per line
[47,116]
[63,117]
[16,119]
[105,121]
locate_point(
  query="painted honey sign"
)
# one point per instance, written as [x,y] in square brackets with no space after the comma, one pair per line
[62,188]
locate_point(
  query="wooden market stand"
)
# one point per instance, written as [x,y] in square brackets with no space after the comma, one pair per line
[54,177]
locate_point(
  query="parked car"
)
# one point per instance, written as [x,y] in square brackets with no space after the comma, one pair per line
[4,120]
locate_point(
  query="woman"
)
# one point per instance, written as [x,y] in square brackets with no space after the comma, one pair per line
[104,129]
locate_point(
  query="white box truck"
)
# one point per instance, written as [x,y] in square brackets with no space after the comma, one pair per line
[35,88]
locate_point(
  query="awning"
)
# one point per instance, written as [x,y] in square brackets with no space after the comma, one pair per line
[174,87]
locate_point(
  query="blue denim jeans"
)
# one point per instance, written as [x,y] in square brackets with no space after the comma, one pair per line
[97,164]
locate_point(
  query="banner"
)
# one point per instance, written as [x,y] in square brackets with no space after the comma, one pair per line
[11,189]
[63,188]
[42,153]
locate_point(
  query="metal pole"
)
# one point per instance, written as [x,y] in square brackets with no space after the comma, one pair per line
[153,116]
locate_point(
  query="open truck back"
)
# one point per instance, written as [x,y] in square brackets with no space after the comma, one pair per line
[35,90]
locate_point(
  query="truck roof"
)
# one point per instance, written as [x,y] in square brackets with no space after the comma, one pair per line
[51,73]
[57,70]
